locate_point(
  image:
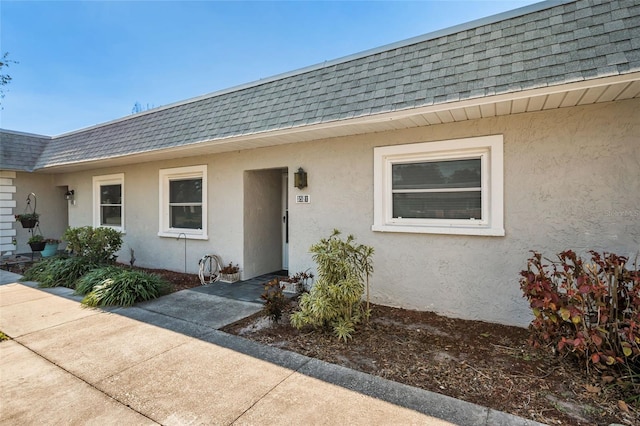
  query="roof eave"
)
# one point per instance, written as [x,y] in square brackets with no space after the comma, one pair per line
[626,85]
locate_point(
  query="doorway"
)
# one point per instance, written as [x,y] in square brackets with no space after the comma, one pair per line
[285,220]
[265,222]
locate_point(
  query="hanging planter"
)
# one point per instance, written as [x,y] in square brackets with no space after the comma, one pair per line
[28,220]
[37,243]
[36,240]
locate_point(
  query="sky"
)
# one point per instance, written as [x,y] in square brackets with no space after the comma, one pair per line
[82,63]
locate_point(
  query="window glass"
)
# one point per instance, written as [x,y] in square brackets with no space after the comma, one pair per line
[111,215]
[438,174]
[110,208]
[438,205]
[188,217]
[111,194]
[437,189]
[185,191]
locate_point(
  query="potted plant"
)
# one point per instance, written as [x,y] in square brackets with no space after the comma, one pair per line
[36,242]
[298,283]
[50,247]
[230,273]
[28,220]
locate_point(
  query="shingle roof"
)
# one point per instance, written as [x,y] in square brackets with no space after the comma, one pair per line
[20,151]
[549,44]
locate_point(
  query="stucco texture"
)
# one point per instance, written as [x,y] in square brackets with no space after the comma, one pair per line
[571,181]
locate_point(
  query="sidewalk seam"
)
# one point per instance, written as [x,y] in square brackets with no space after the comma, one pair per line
[296,371]
[86,382]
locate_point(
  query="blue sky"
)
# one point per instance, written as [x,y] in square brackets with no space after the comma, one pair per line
[84,63]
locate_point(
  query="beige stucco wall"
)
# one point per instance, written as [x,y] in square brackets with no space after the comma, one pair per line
[571,178]
[51,206]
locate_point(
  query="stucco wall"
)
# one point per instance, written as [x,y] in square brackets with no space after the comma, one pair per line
[51,206]
[572,180]
[571,177]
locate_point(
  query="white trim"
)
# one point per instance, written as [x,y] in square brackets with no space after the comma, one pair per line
[488,148]
[98,181]
[165,176]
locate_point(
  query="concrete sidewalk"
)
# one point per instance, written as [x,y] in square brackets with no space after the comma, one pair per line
[70,365]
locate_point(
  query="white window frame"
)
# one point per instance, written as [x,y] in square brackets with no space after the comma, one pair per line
[103,180]
[167,175]
[490,151]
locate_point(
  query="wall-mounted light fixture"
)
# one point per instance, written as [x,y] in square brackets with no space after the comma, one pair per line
[69,195]
[300,178]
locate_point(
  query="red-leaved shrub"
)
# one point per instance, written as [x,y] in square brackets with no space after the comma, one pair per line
[590,310]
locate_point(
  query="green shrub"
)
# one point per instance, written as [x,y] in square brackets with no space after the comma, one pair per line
[336,299]
[93,278]
[58,271]
[38,271]
[123,287]
[275,300]
[588,310]
[98,245]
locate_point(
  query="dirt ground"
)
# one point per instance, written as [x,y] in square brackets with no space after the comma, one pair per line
[487,364]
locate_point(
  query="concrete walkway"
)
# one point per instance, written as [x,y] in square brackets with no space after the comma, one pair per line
[67,364]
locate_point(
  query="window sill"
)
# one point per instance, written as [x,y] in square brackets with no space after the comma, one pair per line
[183,234]
[451,230]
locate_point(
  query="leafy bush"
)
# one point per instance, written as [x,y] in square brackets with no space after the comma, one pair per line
[122,287]
[58,271]
[98,245]
[275,300]
[591,311]
[336,299]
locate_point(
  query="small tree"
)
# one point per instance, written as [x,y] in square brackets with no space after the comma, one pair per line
[336,299]
[5,79]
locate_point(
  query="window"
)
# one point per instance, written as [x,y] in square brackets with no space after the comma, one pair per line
[108,201]
[447,187]
[183,202]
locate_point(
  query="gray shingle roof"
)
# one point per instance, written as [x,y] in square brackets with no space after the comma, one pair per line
[20,151]
[546,45]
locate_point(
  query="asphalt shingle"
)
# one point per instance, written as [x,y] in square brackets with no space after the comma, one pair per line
[20,151]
